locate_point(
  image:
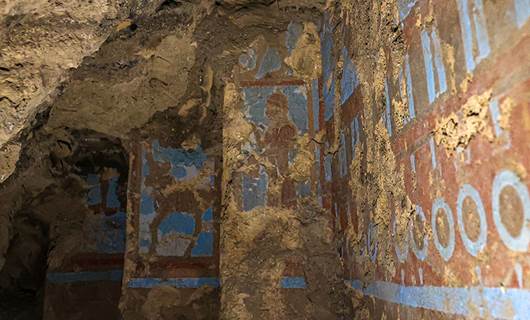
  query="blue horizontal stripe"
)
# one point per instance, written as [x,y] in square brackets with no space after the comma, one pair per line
[285,283]
[293,283]
[72,277]
[501,303]
[176,282]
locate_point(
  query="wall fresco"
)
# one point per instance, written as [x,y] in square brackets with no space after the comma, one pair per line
[176,229]
[105,197]
[104,232]
[434,66]
[279,117]
[276,236]
[96,263]
[173,218]
[465,249]
[474,32]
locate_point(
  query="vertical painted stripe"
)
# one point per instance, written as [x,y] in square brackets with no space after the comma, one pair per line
[388,111]
[433,152]
[343,155]
[427,59]
[328,175]
[113,201]
[522,11]
[316,104]
[439,63]
[94,191]
[404,7]
[496,116]
[408,75]
[467,34]
[481,30]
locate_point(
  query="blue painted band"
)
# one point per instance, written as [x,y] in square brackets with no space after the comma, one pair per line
[285,283]
[522,11]
[498,303]
[73,277]
[293,283]
[175,282]
[404,7]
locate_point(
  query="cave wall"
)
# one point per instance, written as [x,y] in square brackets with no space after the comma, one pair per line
[278,253]
[368,162]
[129,73]
[426,111]
[84,271]
[74,201]
[41,44]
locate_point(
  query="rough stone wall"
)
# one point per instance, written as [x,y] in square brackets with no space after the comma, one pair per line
[41,42]
[156,78]
[426,110]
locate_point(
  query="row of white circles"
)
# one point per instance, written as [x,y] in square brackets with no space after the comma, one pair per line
[520,243]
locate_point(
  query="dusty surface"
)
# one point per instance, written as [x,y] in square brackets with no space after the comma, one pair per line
[139,80]
[257,251]
[167,302]
[8,160]
[306,60]
[456,131]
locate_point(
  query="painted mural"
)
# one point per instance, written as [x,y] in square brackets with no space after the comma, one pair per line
[283,112]
[106,199]
[470,197]
[174,218]
[279,117]
[179,226]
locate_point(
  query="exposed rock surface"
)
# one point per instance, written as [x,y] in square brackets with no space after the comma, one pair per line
[42,42]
